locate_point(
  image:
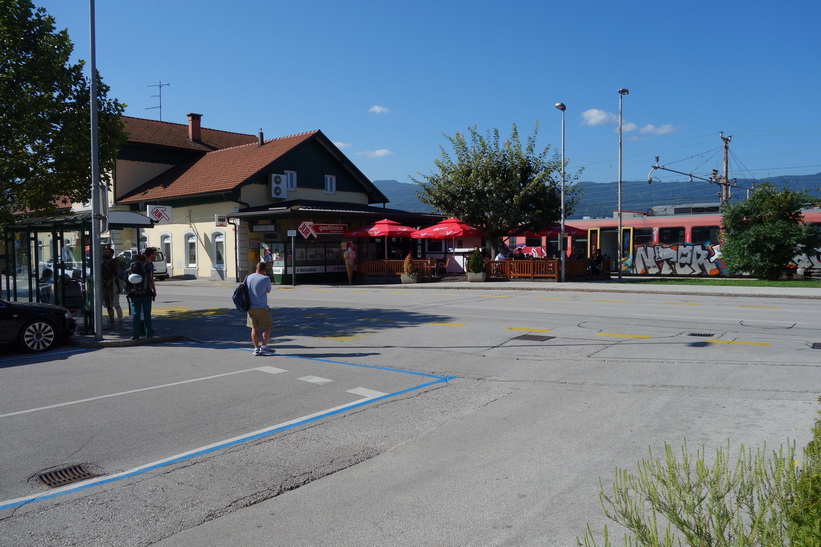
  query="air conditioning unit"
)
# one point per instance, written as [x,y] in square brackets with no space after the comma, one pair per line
[279,186]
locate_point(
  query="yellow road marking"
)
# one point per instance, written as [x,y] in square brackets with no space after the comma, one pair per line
[376,319]
[341,338]
[763,307]
[682,303]
[529,330]
[737,342]
[285,288]
[612,335]
[601,300]
[446,324]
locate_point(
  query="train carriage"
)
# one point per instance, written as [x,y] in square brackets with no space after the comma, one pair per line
[676,241]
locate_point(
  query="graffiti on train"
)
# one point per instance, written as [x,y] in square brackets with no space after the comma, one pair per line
[682,259]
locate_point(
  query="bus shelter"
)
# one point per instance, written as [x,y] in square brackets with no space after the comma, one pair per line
[48,258]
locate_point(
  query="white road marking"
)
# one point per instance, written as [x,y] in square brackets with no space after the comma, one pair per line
[367,393]
[271,370]
[315,380]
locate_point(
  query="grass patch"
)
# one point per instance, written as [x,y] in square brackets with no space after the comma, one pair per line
[725,282]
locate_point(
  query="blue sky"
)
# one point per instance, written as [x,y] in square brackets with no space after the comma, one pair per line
[385,79]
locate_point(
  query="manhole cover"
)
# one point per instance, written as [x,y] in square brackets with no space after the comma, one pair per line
[67,475]
[534,337]
[817,345]
[700,334]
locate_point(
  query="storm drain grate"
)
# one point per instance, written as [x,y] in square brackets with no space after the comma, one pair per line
[67,475]
[534,337]
[817,345]
[703,335]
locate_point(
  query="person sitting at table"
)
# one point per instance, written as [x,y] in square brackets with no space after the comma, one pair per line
[518,254]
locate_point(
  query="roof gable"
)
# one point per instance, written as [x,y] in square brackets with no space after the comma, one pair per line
[217,171]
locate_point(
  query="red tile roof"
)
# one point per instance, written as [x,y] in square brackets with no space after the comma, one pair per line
[218,171]
[175,135]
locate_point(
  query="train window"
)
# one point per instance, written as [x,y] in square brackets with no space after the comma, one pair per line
[817,226]
[704,235]
[533,241]
[671,235]
[642,236]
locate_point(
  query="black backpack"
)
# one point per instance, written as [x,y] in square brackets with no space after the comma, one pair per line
[241,297]
[136,289]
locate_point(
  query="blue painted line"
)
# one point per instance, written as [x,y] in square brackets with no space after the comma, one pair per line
[373,367]
[242,440]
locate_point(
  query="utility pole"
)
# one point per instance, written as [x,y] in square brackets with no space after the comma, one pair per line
[723,181]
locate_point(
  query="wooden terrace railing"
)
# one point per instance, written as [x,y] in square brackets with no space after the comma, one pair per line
[388,268]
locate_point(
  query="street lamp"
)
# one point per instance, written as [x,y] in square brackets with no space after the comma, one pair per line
[562,107]
[622,93]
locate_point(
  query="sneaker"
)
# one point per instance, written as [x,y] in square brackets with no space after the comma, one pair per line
[267,350]
[258,352]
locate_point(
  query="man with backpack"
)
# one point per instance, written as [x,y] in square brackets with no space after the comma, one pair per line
[141,292]
[259,315]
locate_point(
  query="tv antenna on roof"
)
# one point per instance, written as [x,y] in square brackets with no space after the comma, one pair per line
[160,86]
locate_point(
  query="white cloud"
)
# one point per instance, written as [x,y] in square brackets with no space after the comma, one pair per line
[376,109]
[594,117]
[381,153]
[340,144]
[665,129]
[627,127]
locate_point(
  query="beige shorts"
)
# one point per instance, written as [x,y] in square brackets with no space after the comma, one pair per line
[259,318]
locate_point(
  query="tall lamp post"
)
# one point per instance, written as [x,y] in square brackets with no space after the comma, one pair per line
[562,251]
[622,93]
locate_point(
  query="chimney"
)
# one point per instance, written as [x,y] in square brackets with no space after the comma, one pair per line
[194,130]
[261,139]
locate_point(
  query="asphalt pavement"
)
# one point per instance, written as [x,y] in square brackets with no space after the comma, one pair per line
[188,330]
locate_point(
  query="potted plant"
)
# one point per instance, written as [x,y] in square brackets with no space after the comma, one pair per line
[411,273]
[476,267]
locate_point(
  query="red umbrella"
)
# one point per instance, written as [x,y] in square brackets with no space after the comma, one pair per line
[383,228]
[446,229]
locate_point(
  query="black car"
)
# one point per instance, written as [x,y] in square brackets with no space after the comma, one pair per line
[35,327]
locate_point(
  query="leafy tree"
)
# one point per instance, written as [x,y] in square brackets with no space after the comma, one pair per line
[45,141]
[496,186]
[764,232]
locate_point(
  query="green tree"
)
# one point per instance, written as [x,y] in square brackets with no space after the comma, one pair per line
[496,186]
[45,142]
[763,233]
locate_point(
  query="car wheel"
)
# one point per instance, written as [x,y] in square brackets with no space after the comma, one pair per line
[38,335]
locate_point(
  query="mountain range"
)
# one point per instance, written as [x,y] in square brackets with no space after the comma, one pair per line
[600,199]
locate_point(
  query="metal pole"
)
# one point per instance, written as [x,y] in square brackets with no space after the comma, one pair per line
[562,251]
[96,264]
[622,93]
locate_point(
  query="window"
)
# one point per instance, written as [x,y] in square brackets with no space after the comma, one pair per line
[671,236]
[165,243]
[642,236]
[290,180]
[533,241]
[219,250]
[704,235]
[330,184]
[191,250]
